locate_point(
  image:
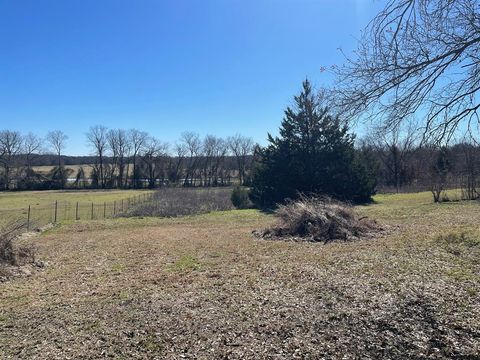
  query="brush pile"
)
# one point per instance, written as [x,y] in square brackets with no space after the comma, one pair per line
[319,219]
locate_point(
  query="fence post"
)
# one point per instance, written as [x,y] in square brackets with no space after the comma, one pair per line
[28,219]
[76,212]
[56,206]
[114,207]
[92,211]
[104,209]
[122,205]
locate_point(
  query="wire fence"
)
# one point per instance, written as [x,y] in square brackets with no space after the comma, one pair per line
[36,216]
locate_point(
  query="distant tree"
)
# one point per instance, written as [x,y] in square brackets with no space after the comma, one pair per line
[241,147]
[137,140]
[57,140]
[367,159]
[153,157]
[176,162]
[395,147]
[32,146]
[313,154]
[193,144]
[10,147]
[416,56]
[28,178]
[58,177]
[468,168]
[80,178]
[97,137]
[119,146]
[439,171]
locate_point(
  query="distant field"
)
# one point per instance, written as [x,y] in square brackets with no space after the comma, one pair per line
[204,287]
[86,167]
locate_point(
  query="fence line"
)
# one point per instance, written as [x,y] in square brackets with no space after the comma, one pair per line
[36,216]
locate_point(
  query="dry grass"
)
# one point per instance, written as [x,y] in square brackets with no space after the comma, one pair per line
[319,219]
[168,202]
[203,287]
[13,253]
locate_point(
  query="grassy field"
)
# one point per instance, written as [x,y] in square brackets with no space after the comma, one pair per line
[204,287]
[14,205]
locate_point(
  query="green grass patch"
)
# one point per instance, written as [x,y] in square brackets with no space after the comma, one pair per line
[117,268]
[186,264]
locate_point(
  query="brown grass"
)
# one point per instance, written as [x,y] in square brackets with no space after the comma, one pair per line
[171,202]
[203,287]
[13,253]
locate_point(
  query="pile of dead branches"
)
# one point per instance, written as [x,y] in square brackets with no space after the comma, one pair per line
[319,219]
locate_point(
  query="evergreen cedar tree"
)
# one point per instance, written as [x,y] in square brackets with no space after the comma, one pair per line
[314,154]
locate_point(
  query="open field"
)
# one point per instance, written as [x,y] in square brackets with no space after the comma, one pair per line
[87,168]
[14,205]
[203,287]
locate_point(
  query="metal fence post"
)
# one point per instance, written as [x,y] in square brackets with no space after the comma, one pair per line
[28,219]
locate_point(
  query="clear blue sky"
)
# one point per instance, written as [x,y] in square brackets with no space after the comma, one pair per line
[216,67]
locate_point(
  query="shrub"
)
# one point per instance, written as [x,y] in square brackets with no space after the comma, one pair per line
[319,219]
[240,198]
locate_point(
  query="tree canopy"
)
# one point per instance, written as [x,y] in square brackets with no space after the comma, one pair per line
[416,57]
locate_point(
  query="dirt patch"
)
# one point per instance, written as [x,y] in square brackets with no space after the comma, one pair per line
[319,219]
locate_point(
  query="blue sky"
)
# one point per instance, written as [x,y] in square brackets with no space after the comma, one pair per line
[212,66]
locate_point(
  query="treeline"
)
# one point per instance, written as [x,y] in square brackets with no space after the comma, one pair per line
[402,165]
[134,159]
[123,159]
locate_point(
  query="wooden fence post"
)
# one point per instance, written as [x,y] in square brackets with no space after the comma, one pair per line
[92,211]
[114,207]
[76,212]
[56,206]
[104,209]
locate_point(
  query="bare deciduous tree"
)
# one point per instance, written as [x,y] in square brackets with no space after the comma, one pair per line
[10,146]
[137,140]
[153,157]
[241,147]
[193,144]
[97,137]
[394,147]
[119,147]
[32,145]
[57,140]
[416,56]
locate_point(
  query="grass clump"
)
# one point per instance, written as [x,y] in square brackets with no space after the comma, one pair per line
[319,219]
